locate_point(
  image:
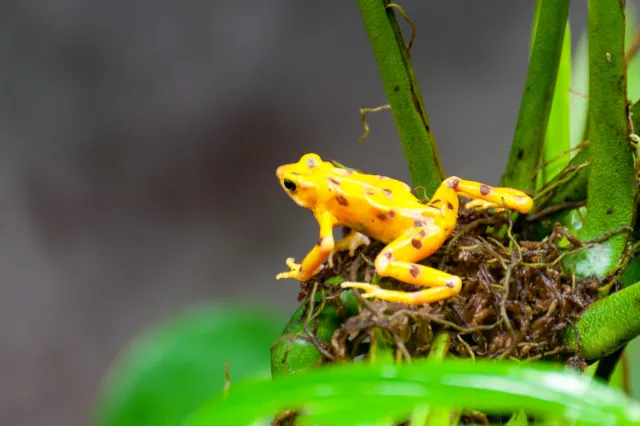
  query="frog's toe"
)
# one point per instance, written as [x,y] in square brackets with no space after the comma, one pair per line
[294,270]
[357,241]
[483,205]
[361,286]
[282,275]
[330,258]
[291,263]
[370,290]
[296,275]
[479,204]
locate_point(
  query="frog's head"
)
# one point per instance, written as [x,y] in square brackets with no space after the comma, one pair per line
[301,180]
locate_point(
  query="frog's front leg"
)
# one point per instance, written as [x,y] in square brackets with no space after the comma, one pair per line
[397,260]
[488,196]
[350,242]
[318,254]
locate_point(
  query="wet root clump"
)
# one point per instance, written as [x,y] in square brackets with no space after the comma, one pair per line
[515,301]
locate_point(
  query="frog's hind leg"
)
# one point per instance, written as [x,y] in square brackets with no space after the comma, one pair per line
[349,242]
[397,259]
[513,198]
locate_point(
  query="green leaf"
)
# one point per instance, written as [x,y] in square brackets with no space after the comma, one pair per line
[535,107]
[634,376]
[607,324]
[172,368]
[335,280]
[519,419]
[631,274]
[362,393]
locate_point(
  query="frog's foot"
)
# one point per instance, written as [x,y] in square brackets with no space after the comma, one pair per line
[350,242]
[483,205]
[371,290]
[409,298]
[295,272]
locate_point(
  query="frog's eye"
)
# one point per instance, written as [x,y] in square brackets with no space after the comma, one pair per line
[289,185]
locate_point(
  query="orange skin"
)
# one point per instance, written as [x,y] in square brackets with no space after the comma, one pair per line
[385,210]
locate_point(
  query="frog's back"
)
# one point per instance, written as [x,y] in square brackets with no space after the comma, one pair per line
[381,190]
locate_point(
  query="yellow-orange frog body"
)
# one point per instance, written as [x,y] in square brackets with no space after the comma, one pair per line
[386,210]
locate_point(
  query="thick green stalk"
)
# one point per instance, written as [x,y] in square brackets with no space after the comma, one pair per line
[401,87]
[439,347]
[536,102]
[607,324]
[439,415]
[294,351]
[610,194]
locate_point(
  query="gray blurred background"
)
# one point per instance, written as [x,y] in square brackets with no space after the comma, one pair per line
[139,141]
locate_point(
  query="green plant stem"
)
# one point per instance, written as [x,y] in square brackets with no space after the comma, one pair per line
[607,324]
[439,347]
[440,415]
[537,98]
[401,87]
[611,193]
[607,365]
[294,351]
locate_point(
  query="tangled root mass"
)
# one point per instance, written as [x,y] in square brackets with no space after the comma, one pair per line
[515,301]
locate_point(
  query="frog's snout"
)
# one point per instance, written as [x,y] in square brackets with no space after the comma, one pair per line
[279,172]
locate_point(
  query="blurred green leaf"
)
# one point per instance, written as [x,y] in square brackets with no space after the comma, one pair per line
[633,67]
[634,368]
[620,375]
[519,419]
[172,368]
[580,92]
[369,393]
